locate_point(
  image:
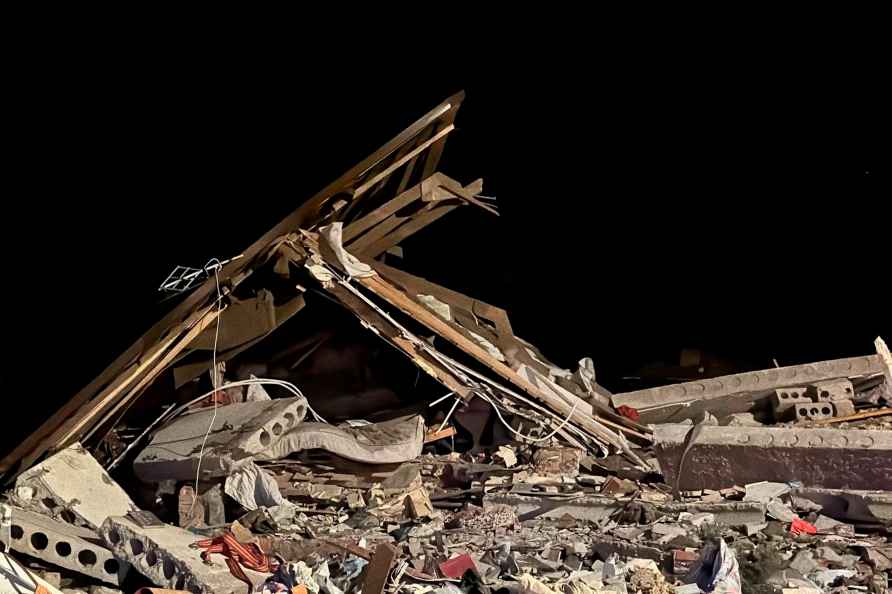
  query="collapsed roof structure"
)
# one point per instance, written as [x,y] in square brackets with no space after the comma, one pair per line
[313,320]
[380,202]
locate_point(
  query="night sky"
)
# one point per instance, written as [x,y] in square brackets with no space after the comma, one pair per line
[650,204]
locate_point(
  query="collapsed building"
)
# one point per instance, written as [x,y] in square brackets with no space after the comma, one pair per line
[311,416]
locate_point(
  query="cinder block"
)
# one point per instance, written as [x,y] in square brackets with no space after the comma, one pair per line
[829,391]
[70,486]
[163,555]
[65,545]
[785,399]
[814,411]
[843,408]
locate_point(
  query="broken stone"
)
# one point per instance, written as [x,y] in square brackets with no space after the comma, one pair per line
[804,562]
[557,462]
[355,500]
[742,420]
[780,511]
[165,556]
[617,487]
[404,479]
[751,529]
[507,456]
[418,504]
[765,491]
[71,487]
[683,561]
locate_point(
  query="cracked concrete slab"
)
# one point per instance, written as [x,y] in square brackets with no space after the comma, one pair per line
[72,547]
[70,486]
[720,457]
[240,432]
[163,554]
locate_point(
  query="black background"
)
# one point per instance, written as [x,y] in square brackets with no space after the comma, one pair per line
[731,201]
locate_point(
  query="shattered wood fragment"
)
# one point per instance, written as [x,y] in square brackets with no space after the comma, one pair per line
[433,436]
[378,570]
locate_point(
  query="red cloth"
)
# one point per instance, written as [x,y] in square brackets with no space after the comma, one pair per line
[628,412]
[799,526]
[237,555]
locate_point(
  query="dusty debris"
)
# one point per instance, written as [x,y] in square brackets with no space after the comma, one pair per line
[399,438]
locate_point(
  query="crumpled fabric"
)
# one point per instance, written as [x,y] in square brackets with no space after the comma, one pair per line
[253,488]
[718,571]
[238,555]
[332,248]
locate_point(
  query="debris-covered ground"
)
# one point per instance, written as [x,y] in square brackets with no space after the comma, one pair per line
[310,418]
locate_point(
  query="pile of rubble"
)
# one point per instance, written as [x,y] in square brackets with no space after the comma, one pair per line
[312,419]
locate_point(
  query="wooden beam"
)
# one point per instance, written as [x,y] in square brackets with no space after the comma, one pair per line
[413,225]
[359,226]
[400,162]
[418,312]
[303,216]
[111,403]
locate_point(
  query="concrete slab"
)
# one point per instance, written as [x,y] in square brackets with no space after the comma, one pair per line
[740,392]
[595,508]
[851,505]
[240,432]
[78,549]
[721,457]
[70,486]
[163,555]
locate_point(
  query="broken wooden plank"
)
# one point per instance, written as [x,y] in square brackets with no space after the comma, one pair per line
[434,322]
[378,570]
[400,162]
[856,417]
[411,226]
[359,226]
[438,435]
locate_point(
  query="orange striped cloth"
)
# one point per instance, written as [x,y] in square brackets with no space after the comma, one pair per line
[237,555]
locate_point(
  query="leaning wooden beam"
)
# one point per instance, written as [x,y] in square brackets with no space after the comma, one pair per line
[385,329]
[108,405]
[359,226]
[400,162]
[410,227]
[398,299]
[307,215]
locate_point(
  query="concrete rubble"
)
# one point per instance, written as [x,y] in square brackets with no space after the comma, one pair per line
[399,438]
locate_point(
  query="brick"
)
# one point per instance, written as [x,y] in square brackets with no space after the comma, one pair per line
[64,545]
[838,389]
[721,457]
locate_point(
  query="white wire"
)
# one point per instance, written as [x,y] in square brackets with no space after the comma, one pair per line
[521,435]
[214,381]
